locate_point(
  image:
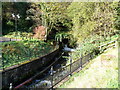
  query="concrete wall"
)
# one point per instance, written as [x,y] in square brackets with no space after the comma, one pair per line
[24,71]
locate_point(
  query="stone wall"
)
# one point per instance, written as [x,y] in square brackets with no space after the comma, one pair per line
[25,71]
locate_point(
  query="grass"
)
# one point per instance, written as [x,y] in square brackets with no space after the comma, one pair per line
[101,72]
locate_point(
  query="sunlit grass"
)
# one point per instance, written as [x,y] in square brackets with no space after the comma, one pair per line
[101,72]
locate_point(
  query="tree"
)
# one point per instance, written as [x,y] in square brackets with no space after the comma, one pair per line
[92,18]
[54,17]
[8,8]
[81,14]
[117,16]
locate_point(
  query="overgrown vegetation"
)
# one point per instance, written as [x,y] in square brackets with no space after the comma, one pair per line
[86,25]
[91,45]
[19,51]
[19,35]
[80,19]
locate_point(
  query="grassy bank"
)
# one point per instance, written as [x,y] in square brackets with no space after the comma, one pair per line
[101,72]
[16,52]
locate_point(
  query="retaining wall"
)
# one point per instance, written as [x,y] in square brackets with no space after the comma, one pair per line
[17,74]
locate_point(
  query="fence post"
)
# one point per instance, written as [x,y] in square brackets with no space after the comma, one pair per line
[3,63]
[70,66]
[81,62]
[29,52]
[18,60]
[116,43]
[91,55]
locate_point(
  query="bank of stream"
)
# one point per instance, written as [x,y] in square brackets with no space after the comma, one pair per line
[44,73]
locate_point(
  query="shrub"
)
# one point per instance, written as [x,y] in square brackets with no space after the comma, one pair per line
[19,51]
[19,35]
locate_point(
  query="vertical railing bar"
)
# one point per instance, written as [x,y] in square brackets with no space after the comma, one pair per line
[71,66]
[81,62]
[3,64]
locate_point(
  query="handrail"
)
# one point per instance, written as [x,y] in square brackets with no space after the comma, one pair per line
[27,81]
[30,79]
[77,67]
[108,43]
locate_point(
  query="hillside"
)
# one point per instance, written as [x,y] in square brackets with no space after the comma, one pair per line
[101,72]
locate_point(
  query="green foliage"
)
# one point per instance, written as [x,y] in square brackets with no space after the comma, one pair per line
[83,50]
[54,17]
[113,83]
[117,16]
[34,14]
[19,35]
[92,18]
[60,36]
[8,22]
[80,18]
[81,13]
[91,45]
[21,51]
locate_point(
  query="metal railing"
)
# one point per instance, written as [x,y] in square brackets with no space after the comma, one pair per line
[107,45]
[54,76]
[65,71]
[58,75]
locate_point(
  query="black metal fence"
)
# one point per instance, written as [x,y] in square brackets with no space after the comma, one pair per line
[58,75]
[69,69]
[54,77]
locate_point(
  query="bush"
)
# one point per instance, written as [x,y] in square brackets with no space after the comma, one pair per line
[19,51]
[91,45]
[83,50]
[19,35]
